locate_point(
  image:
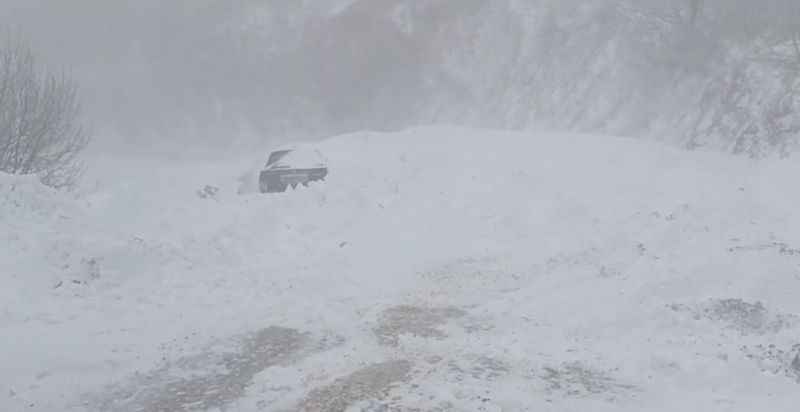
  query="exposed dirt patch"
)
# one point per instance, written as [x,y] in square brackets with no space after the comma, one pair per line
[569,260]
[779,247]
[753,319]
[774,360]
[413,320]
[575,379]
[382,406]
[744,317]
[211,380]
[370,384]
[471,274]
[468,267]
[481,368]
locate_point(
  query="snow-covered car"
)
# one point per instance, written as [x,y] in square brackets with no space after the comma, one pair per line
[290,167]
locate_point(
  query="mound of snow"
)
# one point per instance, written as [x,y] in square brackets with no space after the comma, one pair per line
[552,270]
[26,194]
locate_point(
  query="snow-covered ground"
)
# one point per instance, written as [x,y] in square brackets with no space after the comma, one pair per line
[437,269]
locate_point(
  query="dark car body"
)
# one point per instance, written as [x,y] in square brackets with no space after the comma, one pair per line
[291,167]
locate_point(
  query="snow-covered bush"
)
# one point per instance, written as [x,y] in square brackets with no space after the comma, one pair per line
[40,127]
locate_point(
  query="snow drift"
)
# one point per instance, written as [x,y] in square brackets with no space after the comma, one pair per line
[439,267]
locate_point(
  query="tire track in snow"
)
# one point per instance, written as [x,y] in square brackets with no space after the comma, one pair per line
[374,382]
[211,380]
[369,383]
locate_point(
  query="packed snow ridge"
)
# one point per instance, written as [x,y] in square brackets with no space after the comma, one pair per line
[437,268]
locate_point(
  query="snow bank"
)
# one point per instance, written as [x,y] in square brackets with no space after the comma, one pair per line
[31,215]
[26,194]
[527,267]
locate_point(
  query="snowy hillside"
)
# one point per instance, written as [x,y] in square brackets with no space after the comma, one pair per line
[438,268]
[631,68]
[208,69]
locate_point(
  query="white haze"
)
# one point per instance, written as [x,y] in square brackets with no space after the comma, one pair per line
[531,205]
[278,69]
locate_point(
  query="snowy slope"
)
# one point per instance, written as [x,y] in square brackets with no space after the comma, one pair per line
[437,269]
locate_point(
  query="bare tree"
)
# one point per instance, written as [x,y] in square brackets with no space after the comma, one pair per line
[40,125]
[786,28]
[672,35]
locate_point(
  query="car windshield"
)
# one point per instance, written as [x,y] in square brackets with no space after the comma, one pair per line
[275,156]
[296,159]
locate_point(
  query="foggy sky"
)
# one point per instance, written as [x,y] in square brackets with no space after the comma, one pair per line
[210,68]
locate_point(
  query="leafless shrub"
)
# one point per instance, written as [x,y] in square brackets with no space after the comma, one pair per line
[40,126]
[674,35]
[784,38]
